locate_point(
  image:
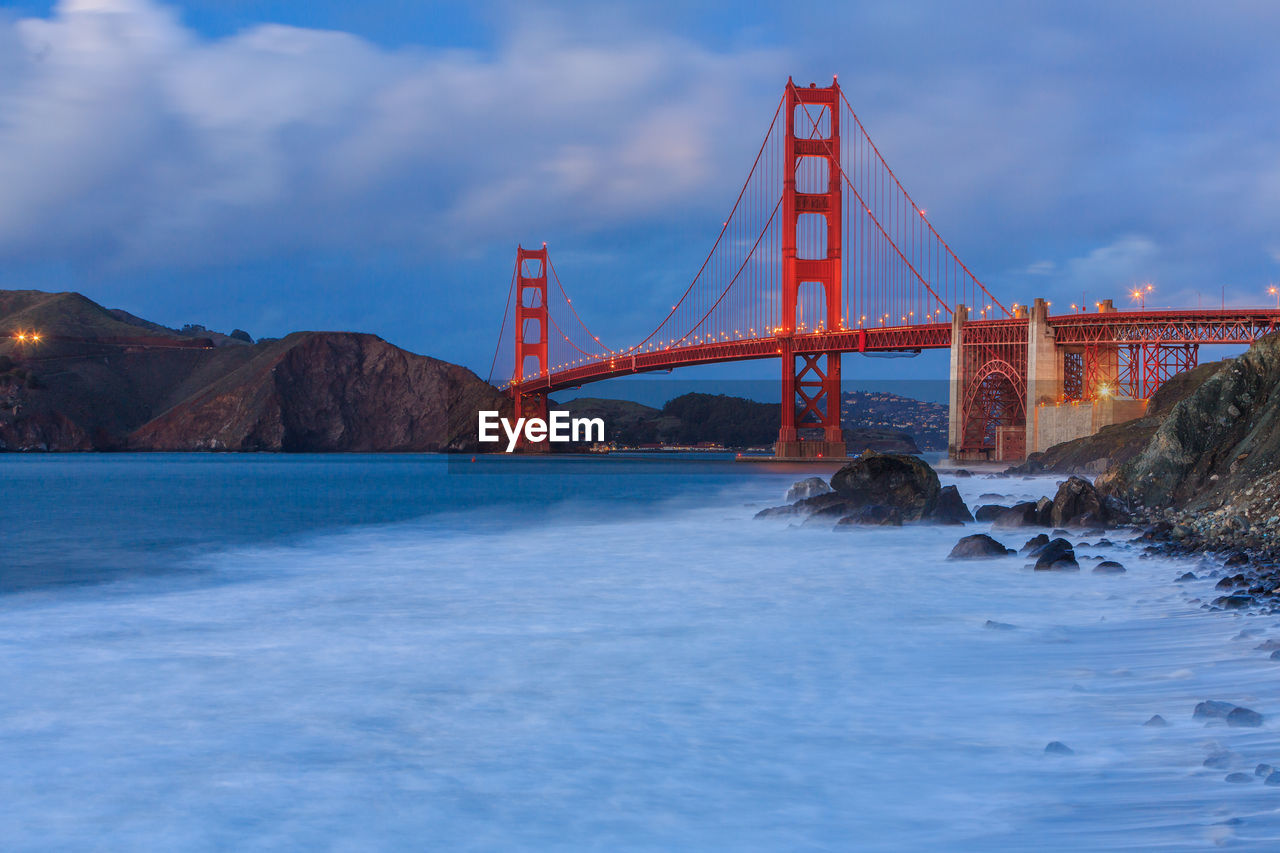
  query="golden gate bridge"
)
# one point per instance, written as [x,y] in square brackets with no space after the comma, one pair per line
[824,252]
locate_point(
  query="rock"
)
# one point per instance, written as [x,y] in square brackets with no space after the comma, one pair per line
[1275,655]
[950,508]
[1273,778]
[1156,721]
[817,503]
[999,626]
[1022,514]
[990,496]
[872,516]
[1233,602]
[1239,777]
[1244,718]
[1077,504]
[899,481]
[989,512]
[1236,560]
[1220,759]
[1057,747]
[1057,556]
[1108,567]
[1267,646]
[1263,770]
[787,511]
[1034,545]
[979,546]
[961,472]
[1212,709]
[1187,576]
[807,488]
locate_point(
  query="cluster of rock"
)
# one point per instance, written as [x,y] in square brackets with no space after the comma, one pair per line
[874,489]
[892,489]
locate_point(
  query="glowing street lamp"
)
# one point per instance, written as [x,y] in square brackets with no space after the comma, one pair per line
[1275,291]
[1140,294]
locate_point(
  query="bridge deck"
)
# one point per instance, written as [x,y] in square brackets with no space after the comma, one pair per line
[1210,326]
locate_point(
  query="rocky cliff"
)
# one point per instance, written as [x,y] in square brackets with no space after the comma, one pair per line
[1218,449]
[1113,445]
[96,381]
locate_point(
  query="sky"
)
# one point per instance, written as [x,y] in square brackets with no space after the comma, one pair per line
[275,166]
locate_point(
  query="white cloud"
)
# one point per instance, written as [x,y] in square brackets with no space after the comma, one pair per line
[129,138]
[1128,260]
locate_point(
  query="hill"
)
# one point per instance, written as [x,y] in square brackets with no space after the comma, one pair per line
[104,380]
[734,422]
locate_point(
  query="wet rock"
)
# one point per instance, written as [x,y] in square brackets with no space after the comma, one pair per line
[1263,770]
[1035,545]
[1233,602]
[979,546]
[989,512]
[990,496]
[961,472]
[895,480]
[1156,721]
[950,508]
[1057,747]
[1057,556]
[1109,567]
[1275,655]
[1220,759]
[1267,646]
[1024,514]
[1077,504]
[1058,532]
[1273,778]
[1104,543]
[999,626]
[1187,576]
[1239,558]
[872,516]
[1244,718]
[1212,709]
[787,511]
[808,488]
[1237,778]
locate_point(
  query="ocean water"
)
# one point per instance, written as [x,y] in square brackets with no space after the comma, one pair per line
[408,653]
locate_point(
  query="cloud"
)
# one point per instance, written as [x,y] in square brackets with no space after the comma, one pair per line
[1041,268]
[128,138]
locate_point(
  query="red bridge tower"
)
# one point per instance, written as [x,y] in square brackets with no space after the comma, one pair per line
[811,382]
[531,334]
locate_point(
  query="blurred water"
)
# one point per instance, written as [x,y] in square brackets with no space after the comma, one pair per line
[353,653]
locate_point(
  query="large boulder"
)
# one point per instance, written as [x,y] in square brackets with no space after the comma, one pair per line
[807,488]
[1077,504]
[872,516]
[989,512]
[950,508]
[1025,514]
[979,546]
[894,480]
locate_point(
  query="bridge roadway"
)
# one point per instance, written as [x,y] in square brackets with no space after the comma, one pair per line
[1207,326]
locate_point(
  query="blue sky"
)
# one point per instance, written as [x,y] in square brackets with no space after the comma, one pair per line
[332,165]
